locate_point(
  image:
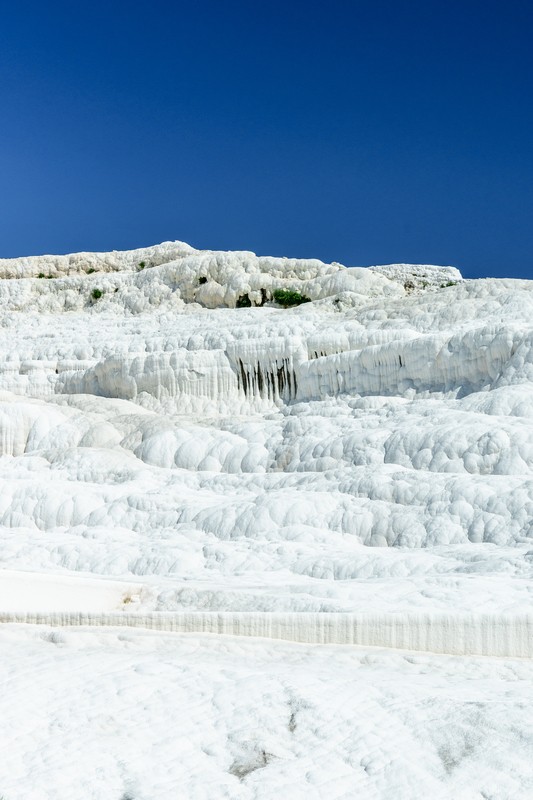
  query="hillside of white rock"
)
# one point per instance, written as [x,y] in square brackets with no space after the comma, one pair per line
[174,441]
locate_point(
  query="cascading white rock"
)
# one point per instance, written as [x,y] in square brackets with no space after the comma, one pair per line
[208,500]
[379,433]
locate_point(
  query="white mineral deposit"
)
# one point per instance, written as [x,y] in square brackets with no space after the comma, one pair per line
[255,547]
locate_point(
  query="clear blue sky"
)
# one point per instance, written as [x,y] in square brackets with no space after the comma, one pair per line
[360,132]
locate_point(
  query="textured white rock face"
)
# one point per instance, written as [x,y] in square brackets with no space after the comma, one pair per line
[367,452]
[268,458]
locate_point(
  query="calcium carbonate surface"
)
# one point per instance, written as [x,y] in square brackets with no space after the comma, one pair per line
[181,453]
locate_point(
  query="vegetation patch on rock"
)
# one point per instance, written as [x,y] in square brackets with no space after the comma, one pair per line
[289,297]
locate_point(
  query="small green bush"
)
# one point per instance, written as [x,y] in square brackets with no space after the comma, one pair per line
[244,302]
[202,280]
[449,283]
[142,265]
[96,294]
[90,271]
[288,297]
[41,275]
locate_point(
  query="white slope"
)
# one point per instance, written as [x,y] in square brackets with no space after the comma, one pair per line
[124,714]
[171,437]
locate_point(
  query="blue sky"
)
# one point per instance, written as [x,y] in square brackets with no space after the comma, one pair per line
[360,132]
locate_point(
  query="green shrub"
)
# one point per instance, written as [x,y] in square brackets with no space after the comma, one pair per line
[448,283]
[41,275]
[90,271]
[244,302]
[202,280]
[142,265]
[288,297]
[96,294]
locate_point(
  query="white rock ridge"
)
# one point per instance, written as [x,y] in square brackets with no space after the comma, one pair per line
[263,457]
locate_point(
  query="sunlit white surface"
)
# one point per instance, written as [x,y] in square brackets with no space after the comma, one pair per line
[367,452]
[123,714]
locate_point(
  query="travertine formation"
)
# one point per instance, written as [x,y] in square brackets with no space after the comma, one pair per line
[180,451]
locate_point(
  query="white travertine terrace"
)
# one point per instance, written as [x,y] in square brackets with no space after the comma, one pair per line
[356,470]
[454,634]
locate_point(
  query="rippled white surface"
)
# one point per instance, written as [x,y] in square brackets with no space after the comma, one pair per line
[370,451]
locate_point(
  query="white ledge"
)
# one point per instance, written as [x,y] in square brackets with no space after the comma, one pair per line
[508,635]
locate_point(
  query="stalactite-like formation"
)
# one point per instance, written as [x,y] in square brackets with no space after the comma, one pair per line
[273,382]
